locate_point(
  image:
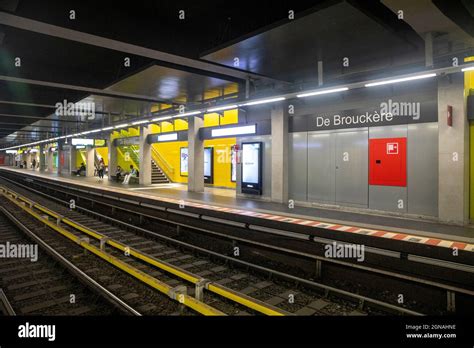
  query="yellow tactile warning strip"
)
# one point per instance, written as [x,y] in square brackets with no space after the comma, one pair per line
[199,306]
[412,238]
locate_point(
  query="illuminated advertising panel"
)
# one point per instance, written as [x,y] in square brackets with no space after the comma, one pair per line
[183,161]
[252,168]
[208,165]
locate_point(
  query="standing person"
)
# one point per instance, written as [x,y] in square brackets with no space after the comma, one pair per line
[33,164]
[101,168]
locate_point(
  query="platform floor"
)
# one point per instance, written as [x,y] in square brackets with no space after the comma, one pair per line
[226,198]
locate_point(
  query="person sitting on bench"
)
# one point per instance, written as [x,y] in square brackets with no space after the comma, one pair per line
[81,169]
[133,172]
[118,174]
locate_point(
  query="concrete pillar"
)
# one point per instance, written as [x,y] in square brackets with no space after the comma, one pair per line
[72,159]
[42,158]
[29,158]
[49,160]
[60,151]
[195,156]
[144,157]
[90,156]
[279,119]
[453,181]
[112,158]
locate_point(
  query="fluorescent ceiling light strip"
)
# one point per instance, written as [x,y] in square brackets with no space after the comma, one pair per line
[188,114]
[107,128]
[327,91]
[224,107]
[263,101]
[123,125]
[95,130]
[403,79]
[161,118]
[469,68]
[231,131]
[139,122]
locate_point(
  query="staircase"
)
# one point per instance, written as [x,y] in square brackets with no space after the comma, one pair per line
[157,175]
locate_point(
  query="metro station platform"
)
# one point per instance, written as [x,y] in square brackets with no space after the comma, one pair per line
[223,200]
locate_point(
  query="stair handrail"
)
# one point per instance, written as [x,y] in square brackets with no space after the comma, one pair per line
[161,161]
[131,159]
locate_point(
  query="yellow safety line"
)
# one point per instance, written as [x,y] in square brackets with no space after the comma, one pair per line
[215,288]
[145,278]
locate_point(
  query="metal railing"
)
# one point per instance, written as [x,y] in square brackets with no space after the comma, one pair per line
[167,168]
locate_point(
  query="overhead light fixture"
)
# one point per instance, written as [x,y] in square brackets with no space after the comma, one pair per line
[123,125]
[188,114]
[233,131]
[263,101]
[326,91]
[161,119]
[168,137]
[95,130]
[403,79]
[107,128]
[139,122]
[221,108]
[469,68]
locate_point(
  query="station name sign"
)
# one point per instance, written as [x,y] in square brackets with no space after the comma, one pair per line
[387,113]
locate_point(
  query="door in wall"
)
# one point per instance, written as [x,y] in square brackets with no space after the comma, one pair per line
[321,167]
[352,167]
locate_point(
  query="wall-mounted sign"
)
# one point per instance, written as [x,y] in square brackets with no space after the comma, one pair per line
[88,142]
[183,161]
[82,142]
[233,163]
[127,141]
[233,131]
[168,137]
[99,142]
[252,168]
[208,165]
[386,113]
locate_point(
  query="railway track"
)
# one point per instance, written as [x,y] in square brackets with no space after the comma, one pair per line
[283,293]
[36,281]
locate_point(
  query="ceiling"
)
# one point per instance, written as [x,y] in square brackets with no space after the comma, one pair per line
[261,35]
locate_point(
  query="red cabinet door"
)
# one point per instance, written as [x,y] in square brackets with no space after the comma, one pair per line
[388,162]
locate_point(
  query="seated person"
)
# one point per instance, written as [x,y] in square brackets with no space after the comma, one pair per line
[118,174]
[81,169]
[133,172]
